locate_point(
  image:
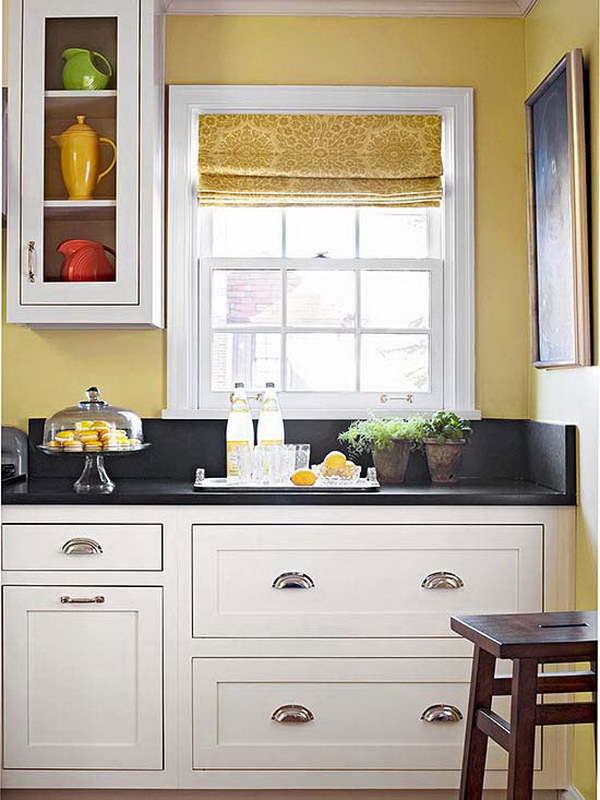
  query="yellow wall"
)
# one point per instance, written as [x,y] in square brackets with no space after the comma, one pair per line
[44,370]
[551,29]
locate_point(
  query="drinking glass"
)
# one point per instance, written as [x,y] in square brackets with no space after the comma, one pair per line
[302,456]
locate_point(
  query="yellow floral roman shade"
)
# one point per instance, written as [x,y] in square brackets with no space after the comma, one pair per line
[319,159]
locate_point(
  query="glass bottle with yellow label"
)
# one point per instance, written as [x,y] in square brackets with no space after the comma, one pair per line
[270,421]
[240,430]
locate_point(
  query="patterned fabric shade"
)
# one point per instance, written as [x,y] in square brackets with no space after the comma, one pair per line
[319,159]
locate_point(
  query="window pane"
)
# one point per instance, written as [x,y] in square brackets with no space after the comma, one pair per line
[310,231]
[246,232]
[321,298]
[393,233]
[396,362]
[253,358]
[246,297]
[320,362]
[395,299]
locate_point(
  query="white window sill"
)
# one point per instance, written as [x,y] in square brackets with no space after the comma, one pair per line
[314,413]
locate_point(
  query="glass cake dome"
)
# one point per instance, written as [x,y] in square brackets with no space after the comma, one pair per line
[93,426]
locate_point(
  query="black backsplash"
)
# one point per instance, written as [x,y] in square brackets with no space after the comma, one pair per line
[499,448]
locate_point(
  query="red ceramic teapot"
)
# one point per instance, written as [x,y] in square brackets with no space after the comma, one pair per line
[85,260]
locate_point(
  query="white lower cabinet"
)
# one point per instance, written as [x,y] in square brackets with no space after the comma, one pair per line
[262,648]
[83,677]
[328,714]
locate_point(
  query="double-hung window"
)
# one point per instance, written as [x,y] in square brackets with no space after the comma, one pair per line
[348,306]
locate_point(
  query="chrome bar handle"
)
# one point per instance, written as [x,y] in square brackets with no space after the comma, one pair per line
[292,714]
[293,580]
[97,599]
[81,546]
[442,580]
[441,713]
[31,261]
[407,398]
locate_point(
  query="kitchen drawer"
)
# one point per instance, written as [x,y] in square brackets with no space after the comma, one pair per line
[364,713]
[359,580]
[81,547]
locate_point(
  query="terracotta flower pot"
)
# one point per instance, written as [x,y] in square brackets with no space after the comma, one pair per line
[443,460]
[391,464]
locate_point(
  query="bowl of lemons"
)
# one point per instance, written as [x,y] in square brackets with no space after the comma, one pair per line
[335,470]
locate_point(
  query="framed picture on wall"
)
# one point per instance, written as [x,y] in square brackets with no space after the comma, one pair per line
[557,216]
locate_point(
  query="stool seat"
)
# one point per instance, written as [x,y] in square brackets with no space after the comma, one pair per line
[532,635]
[529,640]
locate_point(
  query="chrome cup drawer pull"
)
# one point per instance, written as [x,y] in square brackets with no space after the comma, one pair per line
[96,599]
[293,580]
[442,580]
[292,714]
[441,713]
[81,546]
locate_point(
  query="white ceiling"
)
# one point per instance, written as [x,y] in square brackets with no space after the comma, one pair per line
[355,8]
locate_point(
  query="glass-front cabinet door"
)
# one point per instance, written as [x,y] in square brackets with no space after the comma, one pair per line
[80,117]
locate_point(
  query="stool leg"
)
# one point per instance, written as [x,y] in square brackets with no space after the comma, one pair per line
[482,679]
[522,728]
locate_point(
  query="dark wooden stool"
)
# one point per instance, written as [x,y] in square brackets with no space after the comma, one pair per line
[529,640]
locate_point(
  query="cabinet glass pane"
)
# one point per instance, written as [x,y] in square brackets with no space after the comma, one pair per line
[96,34]
[311,231]
[253,358]
[394,362]
[395,299]
[321,298]
[246,297]
[246,232]
[320,362]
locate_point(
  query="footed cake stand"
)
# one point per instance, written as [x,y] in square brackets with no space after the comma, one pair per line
[94,478]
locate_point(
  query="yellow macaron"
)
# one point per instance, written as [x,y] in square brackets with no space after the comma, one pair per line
[62,435]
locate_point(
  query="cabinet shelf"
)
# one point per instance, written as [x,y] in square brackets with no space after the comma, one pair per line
[80,209]
[63,103]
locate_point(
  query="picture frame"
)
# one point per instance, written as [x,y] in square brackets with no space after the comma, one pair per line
[558,218]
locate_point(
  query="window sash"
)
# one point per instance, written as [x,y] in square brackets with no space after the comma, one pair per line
[352,401]
[434,233]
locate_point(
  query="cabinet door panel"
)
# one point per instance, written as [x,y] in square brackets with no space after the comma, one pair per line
[368,579]
[82,681]
[38,123]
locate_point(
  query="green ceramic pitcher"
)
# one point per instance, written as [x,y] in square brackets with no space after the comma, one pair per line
[81,71]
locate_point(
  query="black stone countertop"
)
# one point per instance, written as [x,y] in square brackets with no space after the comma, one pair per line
[163,491]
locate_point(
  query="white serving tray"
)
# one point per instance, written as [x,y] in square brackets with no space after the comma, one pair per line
[221,485]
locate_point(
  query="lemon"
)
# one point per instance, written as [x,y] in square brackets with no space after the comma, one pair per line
[334,461]
[304,477]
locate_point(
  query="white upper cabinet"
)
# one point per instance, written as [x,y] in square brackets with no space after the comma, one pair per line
[85,248]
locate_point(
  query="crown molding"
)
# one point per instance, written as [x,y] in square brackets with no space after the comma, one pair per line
[354,8]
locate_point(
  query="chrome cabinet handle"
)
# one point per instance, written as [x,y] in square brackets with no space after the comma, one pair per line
[31,261]
[441,713]
[81,546]
[292,714]
[293,580]
[97,599]
[442,580]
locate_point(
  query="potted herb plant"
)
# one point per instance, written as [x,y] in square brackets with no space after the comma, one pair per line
[445,434]
[390,441]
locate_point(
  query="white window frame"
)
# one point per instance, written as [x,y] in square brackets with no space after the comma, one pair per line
[185,312]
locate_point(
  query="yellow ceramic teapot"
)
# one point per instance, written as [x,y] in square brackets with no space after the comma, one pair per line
[80,159]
